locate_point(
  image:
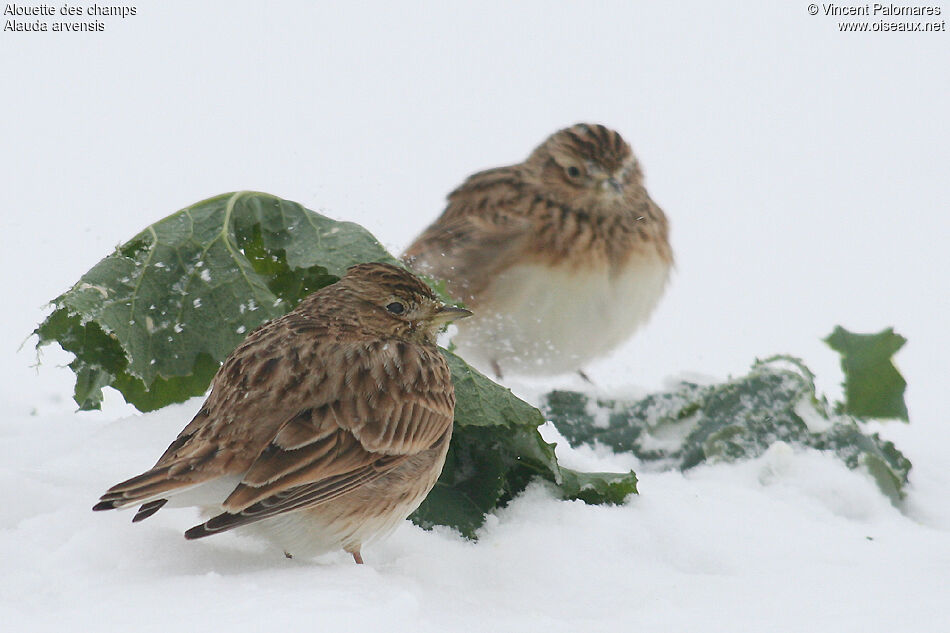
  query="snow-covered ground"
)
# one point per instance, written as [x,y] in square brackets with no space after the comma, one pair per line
[805,174]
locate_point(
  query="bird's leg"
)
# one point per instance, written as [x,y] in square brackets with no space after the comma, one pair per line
[357,557]
[497,369]
[584,377]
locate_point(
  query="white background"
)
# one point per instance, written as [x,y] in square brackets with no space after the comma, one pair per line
[804,172]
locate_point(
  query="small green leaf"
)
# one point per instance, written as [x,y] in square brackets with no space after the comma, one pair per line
[595,488]
[873,387]
[89,384]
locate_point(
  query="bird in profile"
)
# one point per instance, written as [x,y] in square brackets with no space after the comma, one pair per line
[562,256]
[324,429]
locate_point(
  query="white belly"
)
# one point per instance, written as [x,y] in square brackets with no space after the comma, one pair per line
[540,320]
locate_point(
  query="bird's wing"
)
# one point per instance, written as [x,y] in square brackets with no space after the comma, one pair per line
[482,231]
[387,403]
[286,416]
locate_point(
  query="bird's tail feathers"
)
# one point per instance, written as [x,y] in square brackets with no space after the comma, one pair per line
[151,489]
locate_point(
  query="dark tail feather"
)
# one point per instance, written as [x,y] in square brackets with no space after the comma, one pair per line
[199,531]
[220,523]
[148,509]
[147,489]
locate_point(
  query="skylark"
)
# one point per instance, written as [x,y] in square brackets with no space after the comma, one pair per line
[562,256]
[324,429]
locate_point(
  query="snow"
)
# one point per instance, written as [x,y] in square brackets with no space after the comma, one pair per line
[804,173]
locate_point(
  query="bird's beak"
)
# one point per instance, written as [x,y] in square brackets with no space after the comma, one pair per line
[450,313]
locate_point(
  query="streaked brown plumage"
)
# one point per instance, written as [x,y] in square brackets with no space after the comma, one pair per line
[325,428]
[562,256]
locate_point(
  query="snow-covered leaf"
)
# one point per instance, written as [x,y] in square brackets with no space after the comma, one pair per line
[738,419]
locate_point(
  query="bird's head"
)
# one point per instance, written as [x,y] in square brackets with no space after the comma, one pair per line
[394,302]
[586,166]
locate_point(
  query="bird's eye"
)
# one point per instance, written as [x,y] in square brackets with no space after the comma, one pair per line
[396,308]
[573,171]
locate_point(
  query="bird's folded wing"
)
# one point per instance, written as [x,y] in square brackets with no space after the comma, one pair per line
[327,451]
